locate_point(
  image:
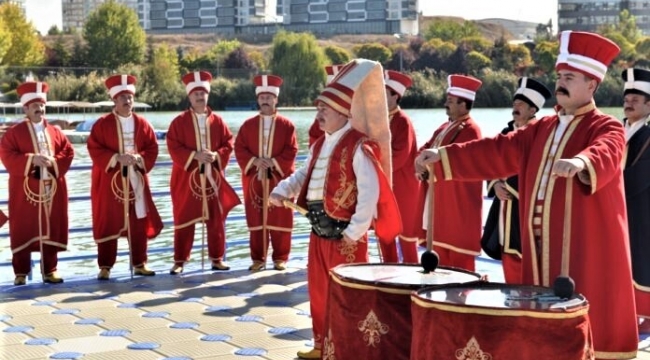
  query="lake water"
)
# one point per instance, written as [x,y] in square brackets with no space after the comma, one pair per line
[425,122]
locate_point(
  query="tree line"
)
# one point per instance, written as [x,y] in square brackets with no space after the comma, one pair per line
[112,41]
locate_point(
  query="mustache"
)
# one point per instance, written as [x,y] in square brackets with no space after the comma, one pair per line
[562,90]
[628,109]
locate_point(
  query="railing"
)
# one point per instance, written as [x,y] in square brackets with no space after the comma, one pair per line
[168,223]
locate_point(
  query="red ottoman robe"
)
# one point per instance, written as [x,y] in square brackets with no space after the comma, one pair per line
[15,150]
[458,217]
[405,184]
[104,144]
[600,256]
[184,131]
[183,142]
[283,149]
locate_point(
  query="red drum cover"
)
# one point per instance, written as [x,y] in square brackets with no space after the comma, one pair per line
[369,308]
[491,321]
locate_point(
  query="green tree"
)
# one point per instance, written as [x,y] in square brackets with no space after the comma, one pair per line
[373,51]
[337,54]
[58,55]
[162,77]
[477,62]
[54,30]
[26,48]
[300,61]
[477,43]
[220,51]
[257,57]
[545,55]
[114,36]
[5,40]
[450,30]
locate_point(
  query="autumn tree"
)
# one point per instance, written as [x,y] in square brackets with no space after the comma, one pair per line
[114,36]
[25,47]
[238,59]
[300,61]
[5,40]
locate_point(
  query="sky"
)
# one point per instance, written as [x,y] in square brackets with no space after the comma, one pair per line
[45,13]
[539,11]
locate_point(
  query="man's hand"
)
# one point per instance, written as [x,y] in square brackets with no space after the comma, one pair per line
[205,156]
[263,164]
[127,159]
[348,241]
[41,160]
[426,157]
[501,191]
[567,167]
[276,200]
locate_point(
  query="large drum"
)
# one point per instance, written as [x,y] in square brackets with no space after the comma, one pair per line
[492,321]
[369,308]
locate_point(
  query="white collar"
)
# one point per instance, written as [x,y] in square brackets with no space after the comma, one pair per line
[335,136]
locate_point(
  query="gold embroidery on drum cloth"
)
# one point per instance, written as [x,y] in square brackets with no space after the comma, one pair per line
[328,347]
[372,329]
[348,249]
[472,351]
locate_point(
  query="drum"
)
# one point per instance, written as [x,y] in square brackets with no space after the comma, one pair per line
[499,321]
[369,308]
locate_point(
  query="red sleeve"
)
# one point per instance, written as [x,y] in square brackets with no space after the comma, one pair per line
[402,140]
[101,143]
[64,152]
[147,143]
[177,145]
[246,138]
[224,146]
[287,157]
[12,157]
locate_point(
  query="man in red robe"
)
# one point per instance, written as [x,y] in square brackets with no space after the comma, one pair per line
[344,188]
[636,102]
[123,148]
[403,152]
[569,168]
[37,156]
[200,144]
[501,236]
[458,217]
[314,130]
[266,149]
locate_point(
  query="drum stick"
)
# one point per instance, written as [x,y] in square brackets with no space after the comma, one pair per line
[295,207]
[265,210]
[429,258]
[564,286]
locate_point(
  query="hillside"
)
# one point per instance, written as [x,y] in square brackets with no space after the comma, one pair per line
[203,42]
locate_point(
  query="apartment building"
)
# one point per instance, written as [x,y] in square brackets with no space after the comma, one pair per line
[264,16]
[589,15]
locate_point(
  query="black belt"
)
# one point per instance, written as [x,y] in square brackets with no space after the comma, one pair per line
[323,225]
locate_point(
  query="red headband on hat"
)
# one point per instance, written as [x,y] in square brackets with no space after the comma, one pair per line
[197,80]
[118,84]
[32,91]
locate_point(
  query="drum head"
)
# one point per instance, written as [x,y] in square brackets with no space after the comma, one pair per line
[402,275]
[501,296]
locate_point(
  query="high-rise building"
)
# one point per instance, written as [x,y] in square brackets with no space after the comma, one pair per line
[75,12]
[263,16]
[589,15]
